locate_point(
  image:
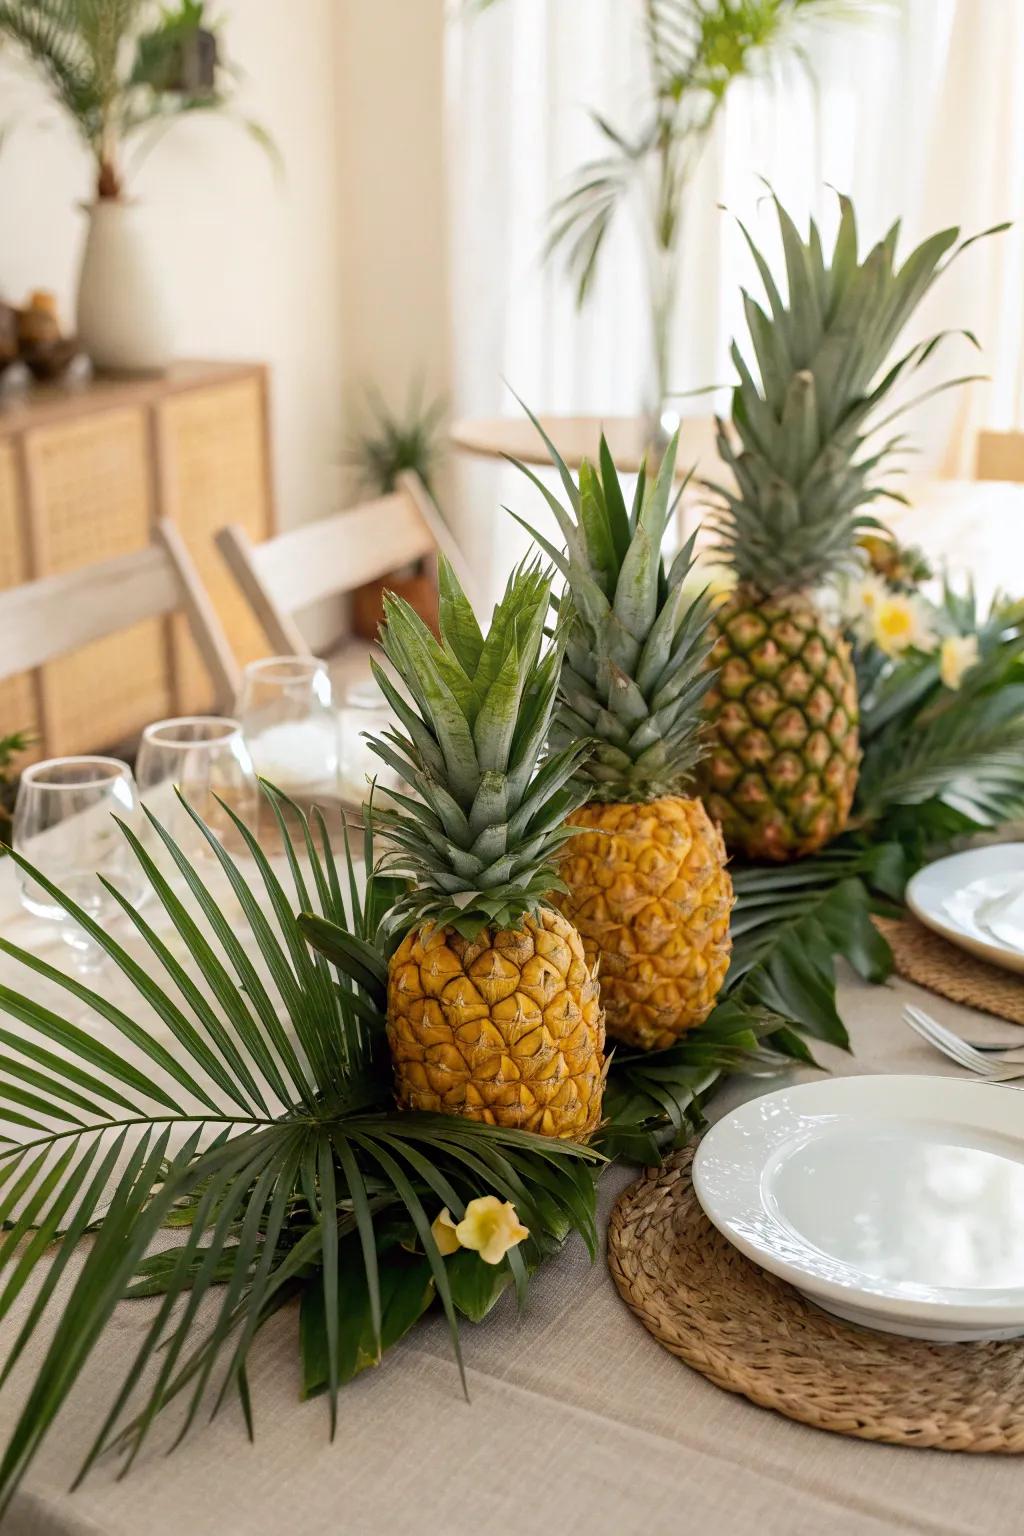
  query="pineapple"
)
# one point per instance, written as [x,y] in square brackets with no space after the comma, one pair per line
[782,769]
[647,885]
[493,1011]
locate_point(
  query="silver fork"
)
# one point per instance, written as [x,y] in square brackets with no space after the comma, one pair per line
[958,1050]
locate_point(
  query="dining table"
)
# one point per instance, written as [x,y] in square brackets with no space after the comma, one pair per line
[576,1421]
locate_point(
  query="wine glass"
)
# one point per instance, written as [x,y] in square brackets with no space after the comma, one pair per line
[290,724]
[63,824]
[204,757]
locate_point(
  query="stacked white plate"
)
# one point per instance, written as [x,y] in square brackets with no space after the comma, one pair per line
[894,1202]
[976,900]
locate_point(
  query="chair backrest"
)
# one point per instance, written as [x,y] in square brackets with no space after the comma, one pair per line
[334,555]
[1000,456]
[56,615]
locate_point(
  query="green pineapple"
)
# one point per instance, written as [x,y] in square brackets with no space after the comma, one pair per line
[782,769]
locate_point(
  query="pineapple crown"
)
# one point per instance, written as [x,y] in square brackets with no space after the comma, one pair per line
[798,430]
[635,669]
[479,835]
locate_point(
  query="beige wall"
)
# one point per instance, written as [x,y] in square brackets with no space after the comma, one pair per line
[252,260]
[393,219]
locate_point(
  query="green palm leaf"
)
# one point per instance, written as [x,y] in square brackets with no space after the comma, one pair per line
[268,1134]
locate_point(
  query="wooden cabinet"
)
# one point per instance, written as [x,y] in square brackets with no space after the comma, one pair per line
[83,475]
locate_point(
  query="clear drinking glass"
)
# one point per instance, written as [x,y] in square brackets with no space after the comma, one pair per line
[63,823]
[290,724]
[365,712]
[206,758]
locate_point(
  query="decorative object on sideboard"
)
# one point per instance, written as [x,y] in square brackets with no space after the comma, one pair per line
[386,446]
[42,346]
[8,337]
[117,72]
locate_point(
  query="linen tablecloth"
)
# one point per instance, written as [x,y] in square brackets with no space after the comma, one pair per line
[579,1424]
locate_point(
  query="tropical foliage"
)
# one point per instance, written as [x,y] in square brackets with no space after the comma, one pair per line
[940,763]
[255,1159]
[263,1135]
[118,67]
[696,51]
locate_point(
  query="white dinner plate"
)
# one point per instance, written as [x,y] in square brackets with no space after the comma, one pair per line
[895,1202]
[976,899]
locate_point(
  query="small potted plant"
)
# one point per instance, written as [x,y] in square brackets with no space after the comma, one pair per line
[117,69]
[386,446]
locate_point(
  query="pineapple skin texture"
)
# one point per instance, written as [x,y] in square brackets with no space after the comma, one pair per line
[651,896]
[784,751]
[506,1028]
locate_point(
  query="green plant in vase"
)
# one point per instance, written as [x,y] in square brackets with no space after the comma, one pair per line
[390,443]
[119,72]
[696,51]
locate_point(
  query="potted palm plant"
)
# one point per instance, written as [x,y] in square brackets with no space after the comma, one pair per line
[118,69]
[696,50]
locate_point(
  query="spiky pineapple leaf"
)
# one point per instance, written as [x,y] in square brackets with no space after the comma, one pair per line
[808,401]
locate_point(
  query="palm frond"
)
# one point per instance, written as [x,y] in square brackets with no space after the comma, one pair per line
[267,1133]
[653,1098]
[48,33]
[971,757]
[790,923]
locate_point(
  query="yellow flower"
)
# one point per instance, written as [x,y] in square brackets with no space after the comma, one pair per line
[444,1233]
[489,1227]
[898,623]
[959,653]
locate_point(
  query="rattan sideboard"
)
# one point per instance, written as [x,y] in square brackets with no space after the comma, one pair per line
[84,473]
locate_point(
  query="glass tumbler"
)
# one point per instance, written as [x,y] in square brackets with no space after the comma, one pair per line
[365,712]
[290,724]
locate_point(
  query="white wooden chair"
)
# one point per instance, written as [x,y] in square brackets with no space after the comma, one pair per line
[1000,456]
[55,616]
[331,557]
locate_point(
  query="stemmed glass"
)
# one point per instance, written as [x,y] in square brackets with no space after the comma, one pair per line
[290,725]
[63,824]
[204,757]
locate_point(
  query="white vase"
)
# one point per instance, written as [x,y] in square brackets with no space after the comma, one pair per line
[124,324]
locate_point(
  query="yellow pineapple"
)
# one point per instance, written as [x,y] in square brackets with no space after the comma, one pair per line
[505,1027]
[646,880]
[784,756]
[493,1010]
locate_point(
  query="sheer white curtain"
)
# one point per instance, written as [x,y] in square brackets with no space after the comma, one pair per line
[919,114]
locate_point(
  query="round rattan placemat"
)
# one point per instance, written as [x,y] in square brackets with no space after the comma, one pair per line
[755,1335]
[927,958]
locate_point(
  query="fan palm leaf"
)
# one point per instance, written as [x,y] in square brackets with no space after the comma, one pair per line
[266,1131]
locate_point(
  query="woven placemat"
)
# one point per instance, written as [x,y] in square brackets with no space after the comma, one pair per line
[927,958]
[755,1335]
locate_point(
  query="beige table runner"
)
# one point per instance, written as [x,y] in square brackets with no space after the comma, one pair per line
[579,1422]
